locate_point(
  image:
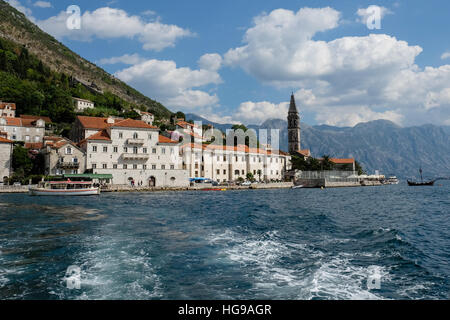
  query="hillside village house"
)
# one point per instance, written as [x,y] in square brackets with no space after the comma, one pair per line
[7,109]
[6,147]
[23,129]
[132,151]
[229,163]
[62,156]
[147,117]
[81,104]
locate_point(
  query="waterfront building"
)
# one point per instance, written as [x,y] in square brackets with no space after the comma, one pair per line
[6,149]
[81,104]
[133,152]
[84,127]
[62,156]
[229,163]
[28,130]
[7,109]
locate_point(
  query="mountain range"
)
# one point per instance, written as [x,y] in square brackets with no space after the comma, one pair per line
[377,145]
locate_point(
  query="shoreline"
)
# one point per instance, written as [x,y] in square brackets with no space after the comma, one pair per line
[259,186]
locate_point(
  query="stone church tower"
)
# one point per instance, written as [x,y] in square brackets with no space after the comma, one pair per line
[293,127]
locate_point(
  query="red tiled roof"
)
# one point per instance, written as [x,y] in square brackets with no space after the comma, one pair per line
[95,122]
[305,152]
[342,161]
[20,122]
[130,123]
[101,135]
[185,124]
[34,146]
[4,104]
[46,119]
[163,139]
[13,121]
[3,140]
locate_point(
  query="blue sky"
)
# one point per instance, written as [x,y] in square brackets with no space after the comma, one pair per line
[258,52]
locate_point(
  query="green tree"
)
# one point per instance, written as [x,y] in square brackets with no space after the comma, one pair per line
[250,177]
[21,162]
[327,164]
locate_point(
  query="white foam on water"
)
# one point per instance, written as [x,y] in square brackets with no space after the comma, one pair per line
[316,276]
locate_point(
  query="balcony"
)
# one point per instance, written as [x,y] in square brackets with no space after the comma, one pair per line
[68,165]
[135,141]
[135,156]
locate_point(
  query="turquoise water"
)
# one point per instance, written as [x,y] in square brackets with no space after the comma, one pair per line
[256,244]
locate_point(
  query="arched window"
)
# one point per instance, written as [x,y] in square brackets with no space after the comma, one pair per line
[135,135]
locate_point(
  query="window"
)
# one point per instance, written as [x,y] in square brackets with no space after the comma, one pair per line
[149,136]
[153,166]
[94,166]
[224,158]
[105,166]
[224,171]
[135,150]
[120,135]
[27,138]
[236,172]
[236,158]
[115,149]
[125,149]
[144,167]
[218,171]
[105,149]
[94,148]
[163,167]
[172,167]
[218,159]
[125,166]
[75,160]
[163,150]
[154,150]
[144,150]
[68,150]
[172,151]
[134,166]
[243,172]
[135,135]
[115,166]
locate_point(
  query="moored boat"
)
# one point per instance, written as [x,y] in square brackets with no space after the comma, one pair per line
[421,183]
[64,188]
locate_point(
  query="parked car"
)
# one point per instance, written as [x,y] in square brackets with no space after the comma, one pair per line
[246,183]
[17,184]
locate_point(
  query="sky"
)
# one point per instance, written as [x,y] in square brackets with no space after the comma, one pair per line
[239,61]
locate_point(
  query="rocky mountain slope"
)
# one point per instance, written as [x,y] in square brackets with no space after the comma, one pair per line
[16,27]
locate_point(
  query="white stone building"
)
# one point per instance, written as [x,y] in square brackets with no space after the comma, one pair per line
[225,163]
[134,152]
[7,109]
[81,104]
[62,156]
[147,117]
[26,130]
[6,148]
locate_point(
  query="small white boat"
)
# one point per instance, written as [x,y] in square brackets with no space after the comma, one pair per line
[297,187]
[392,180]
[64,188]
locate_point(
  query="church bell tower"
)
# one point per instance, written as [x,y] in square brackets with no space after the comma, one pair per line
[293,127]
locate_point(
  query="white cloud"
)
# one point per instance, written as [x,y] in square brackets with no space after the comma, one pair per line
[130,59]
[347,79]
[109,23]
[43,4]
[16,4]
[210,61]
[173,86]
[365,13]
[257,112]
[445,55]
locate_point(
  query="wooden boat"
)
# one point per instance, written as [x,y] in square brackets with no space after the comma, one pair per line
[422,183]
[415,184]
[64,188]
